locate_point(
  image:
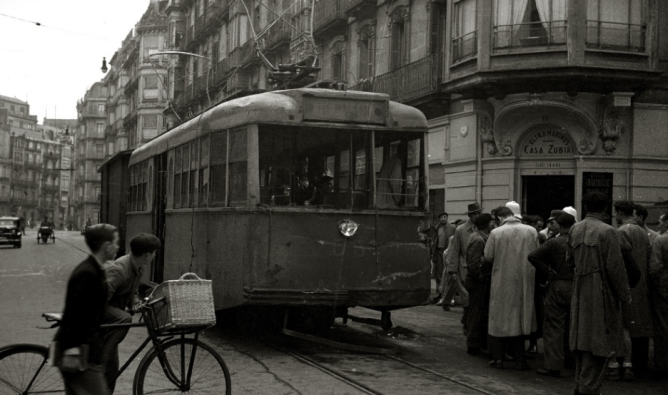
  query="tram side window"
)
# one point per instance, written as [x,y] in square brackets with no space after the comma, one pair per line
[194,167]
[203,172]
[398,164]
[185,176]
[177,177]
[131,192]
[218,168]
[238,168]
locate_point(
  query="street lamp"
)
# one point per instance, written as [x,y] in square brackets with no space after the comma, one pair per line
[104,65]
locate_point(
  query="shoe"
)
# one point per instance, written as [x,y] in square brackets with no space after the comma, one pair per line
[532,350]
[549,372]
[522,366]
[497,364]
[445,307]
[435,299]
[452,303]
[508,358]
[612,374]
[439,303]
[628,375]
[473,350]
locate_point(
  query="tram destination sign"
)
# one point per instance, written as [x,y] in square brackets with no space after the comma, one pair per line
[358,111]
[547,142]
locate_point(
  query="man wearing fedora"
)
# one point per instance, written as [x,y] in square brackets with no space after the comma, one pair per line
[457,263]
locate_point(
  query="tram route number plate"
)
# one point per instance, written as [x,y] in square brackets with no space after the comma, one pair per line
[344,110]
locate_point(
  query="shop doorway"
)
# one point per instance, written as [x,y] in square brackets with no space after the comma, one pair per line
[542,194]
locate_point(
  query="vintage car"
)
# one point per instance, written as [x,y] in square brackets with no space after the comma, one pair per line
[10,232]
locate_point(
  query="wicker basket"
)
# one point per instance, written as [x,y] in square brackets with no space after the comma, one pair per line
[186,303]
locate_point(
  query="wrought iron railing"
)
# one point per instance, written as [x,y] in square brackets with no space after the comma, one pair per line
[406,83]
[550,33]
[326,12]
[465,46]
[279,33]
[616,36]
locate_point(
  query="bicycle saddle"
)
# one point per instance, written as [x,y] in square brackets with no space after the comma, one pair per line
[50,317]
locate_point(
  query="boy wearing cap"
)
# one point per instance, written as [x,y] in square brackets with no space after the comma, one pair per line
[441,234]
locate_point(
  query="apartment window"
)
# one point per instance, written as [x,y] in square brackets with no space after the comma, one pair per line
[150,121]
[100,130]
[150,87]
[23,110]
[616,24]
[100,109]
[338,60]
[465,43]
[523,23]
[99,149]
[12,108]
[367,50]
[399,37]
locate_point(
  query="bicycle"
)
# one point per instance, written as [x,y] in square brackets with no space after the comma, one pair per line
[175,363]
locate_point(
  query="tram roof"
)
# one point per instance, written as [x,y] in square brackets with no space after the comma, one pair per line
[277,107]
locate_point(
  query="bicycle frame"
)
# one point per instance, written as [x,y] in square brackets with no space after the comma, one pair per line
[149,317]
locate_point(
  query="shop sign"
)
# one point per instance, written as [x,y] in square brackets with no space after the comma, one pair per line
[547,142]
[598,182]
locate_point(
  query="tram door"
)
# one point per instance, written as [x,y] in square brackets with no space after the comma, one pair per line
[542,194]
[160,203]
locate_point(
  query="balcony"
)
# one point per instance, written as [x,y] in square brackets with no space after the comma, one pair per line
[243,55]
[199,27]
[278,34]
[465,47]
[407,83]
[523,35]
[358,8]
[51,155]
[616,36]
[50,188]
[190,36]
[329,15]
[219,72]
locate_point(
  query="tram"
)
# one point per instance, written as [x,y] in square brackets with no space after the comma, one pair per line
[298,199]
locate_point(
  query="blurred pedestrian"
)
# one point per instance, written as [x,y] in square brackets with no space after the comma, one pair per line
[599,289]
[663,224]
[637,315]
[477,284]
[441,234]
[79,336]
[511,303]
[456,264]
[553,271]
[658,275]
[641,218]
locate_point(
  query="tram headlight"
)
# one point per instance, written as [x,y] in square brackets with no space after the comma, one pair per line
[348,227]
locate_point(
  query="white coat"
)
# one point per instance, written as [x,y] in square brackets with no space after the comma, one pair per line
[511,304]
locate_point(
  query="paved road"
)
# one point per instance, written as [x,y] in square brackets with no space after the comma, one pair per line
[33,280]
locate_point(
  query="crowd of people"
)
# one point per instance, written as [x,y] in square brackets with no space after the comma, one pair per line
[595,294]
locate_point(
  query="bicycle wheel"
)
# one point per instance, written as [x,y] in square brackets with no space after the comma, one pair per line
[209,375]
[23,370]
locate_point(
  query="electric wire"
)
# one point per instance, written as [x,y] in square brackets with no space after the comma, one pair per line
[39,24]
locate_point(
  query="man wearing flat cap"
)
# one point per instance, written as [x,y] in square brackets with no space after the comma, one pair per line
[457,263]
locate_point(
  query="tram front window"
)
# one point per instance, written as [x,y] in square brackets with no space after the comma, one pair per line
[331,168]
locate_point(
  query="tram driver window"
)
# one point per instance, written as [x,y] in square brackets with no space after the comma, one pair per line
[398,163]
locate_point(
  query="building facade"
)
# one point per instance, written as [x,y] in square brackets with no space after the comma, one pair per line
[537,101]
[136,84]
[89,153]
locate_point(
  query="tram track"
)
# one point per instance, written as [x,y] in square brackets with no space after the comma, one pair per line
[367,388]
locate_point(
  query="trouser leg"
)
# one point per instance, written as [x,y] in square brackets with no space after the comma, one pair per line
[112,338]
[498,347]
[640,354]
[89,382]
[557,309]
[517,345]
[476,323]
[589,372]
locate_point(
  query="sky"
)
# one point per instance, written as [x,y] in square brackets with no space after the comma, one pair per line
[51,66]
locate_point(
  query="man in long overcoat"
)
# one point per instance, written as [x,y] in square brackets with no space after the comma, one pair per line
[511,302]
[637,315]
[599,289]
[658,275]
